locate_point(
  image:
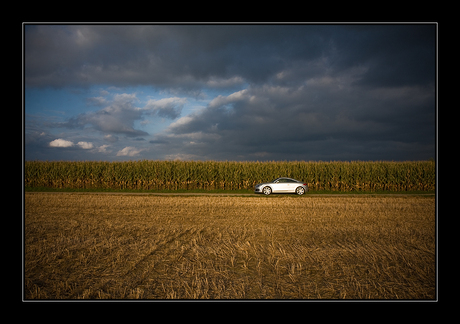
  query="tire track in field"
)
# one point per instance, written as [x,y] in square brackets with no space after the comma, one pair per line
[156,258]
[140,270]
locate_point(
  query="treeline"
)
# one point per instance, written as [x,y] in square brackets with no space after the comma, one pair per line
[228,175]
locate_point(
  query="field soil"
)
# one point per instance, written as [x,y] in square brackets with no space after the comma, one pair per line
[117,246]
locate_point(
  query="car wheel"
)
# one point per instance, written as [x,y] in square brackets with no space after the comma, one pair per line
[300,190]
[267,191]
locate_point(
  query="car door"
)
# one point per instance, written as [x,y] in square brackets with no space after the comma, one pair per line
[291,185]
[280,185]
[276,185]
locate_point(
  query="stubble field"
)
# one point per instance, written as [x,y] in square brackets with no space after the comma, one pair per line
[115,246]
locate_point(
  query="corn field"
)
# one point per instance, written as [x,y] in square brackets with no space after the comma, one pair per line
[229,175]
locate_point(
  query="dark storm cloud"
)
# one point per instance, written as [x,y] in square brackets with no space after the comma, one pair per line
[184,56]
[121,55]
[310,91]
[396,55]
[310,122]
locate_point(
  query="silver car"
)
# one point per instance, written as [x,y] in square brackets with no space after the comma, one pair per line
[280,185]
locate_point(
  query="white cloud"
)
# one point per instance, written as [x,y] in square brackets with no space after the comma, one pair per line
[165,102]
[96,101]
[85,145]
[61,143]
[64,143]
[103,148]
[127,98]
[182,157]
[181,121]
[223,100]
[129,151]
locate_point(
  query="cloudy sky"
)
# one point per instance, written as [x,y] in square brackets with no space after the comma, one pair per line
[230,92]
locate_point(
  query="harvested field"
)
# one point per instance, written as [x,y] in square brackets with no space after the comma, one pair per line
[115,246]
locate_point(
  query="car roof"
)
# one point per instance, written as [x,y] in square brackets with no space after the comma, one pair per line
[286,178]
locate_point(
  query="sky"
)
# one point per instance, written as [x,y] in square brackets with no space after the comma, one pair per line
[324,92]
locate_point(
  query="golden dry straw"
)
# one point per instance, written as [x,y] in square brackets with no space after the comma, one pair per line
[115,246]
